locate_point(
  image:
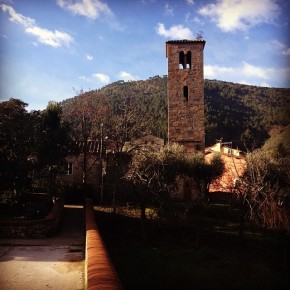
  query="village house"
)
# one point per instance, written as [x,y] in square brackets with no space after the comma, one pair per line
[96,162]
[84,154]
[235,163]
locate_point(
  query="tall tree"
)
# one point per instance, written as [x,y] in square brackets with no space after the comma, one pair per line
[16,142]
[264,191]
[53,143]
[204,172]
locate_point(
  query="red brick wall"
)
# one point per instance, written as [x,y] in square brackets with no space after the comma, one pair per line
[100,272]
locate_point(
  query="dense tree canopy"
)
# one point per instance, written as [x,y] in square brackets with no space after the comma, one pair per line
[153,173]
[16,143]
[30,140]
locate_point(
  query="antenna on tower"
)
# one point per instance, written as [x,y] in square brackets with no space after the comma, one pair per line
[199,35]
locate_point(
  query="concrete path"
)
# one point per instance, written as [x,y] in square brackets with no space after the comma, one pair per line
[52,263]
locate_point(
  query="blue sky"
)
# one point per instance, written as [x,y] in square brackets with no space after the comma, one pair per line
[51,49]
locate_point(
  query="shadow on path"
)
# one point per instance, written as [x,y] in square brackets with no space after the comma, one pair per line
[53,263]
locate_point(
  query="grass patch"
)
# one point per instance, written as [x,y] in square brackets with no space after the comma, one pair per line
[196,253]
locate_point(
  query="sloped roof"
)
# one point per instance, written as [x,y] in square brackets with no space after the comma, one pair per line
[79,146]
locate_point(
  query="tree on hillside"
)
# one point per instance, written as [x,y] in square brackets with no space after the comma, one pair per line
[126,122]
[230,109]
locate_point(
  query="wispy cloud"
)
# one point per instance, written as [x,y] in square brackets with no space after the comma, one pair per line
[246,73]
[190,2]
[145,2]
[286,51]
[169,10]
[99,77]
[174,32]
[89,57]
[91,9]
[214,71]
[103,78]
[125,76]
[280,47]
[54,38]
[232,15]
[192,18]
[250,70]
[88,8]
[84,78]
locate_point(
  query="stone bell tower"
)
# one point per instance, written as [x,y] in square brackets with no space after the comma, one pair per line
[185,91]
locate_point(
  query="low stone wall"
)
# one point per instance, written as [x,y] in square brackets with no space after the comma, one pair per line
[34,228]
[100,272]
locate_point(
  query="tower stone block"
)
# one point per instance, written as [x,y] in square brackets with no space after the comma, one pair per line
[185,91]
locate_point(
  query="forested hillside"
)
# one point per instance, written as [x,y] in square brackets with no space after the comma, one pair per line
[240,113]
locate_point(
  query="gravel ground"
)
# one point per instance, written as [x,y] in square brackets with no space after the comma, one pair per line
[53,263]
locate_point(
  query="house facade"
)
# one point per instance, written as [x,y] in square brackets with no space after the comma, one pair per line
[235,164]
[84,166]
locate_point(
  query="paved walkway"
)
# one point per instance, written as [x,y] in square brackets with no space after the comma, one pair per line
[52,263]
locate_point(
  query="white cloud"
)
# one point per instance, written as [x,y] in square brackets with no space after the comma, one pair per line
[91,9]
[145,2]
[195,19]
[264,84]
[190,2]
[169,10]
[213,71]
[245,71]
[18,18]
[54,38]
[247,82]
[286,51]
[249,74]
[255,71]
[89,57]
[174,32]
[127,76]
[231,15]
[103,78]
[280,47]
[84,78]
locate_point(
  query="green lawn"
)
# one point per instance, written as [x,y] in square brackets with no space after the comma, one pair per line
[173,256]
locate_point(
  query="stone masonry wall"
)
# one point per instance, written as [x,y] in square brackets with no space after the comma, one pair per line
[186,115]
[34,228]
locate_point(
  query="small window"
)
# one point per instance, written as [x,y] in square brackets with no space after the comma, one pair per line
[185,93]
[69,169]
[181,60]
[188,60]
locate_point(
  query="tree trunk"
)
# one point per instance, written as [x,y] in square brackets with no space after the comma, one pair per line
[242,222]
[143,217]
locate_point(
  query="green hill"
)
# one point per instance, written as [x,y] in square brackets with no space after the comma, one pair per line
[279,141]
[240,113]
